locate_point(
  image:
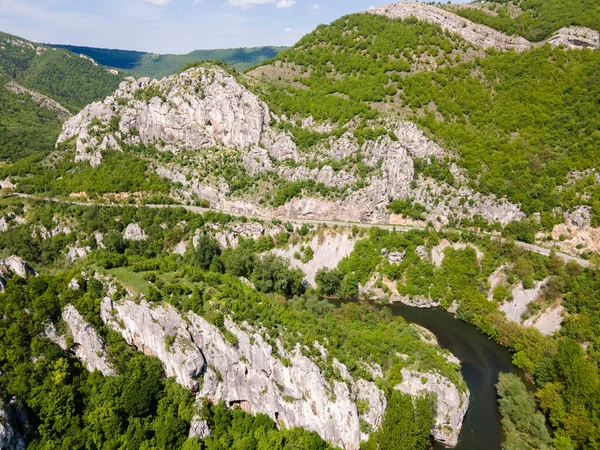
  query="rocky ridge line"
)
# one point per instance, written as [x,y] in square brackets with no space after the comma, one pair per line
[45,102]
[482,35]
[247,374]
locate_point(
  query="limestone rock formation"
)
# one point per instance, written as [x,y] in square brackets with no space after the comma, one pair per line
[577,232]
[479,35]
[13,265]
[10,437]
[133,232]
[196,109]
[482,35]
[576,37]
[42,100]
[89,346]
[248,374]
[452,404]
[159,332]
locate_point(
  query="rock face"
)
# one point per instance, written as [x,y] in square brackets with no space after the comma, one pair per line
[452,404]
[10,438]
[159,332]
[576,37]
[13,265]
[248,374]
[577,232]
[90,347]
[196,109]
[134,232]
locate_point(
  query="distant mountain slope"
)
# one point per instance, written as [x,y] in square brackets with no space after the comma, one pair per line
[159,66]
[68,78]
[39,88]
[535,20]
[26,127]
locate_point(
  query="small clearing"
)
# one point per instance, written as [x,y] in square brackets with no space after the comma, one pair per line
[437,253]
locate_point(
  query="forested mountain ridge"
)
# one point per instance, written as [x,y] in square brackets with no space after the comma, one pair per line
[159,65]
[72,80]
[39,88]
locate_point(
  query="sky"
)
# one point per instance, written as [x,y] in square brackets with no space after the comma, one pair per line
[172,26]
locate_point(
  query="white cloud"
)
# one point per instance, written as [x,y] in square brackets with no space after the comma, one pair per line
[288,30]
[244,4]
[286,3]
[316,10]
[248,3]
[158,2]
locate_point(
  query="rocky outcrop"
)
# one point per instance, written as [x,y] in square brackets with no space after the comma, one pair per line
[414,140]
[45,102]
[329,249]
[479,35]
[576,233]
[133,232]
[89,346]
[245,372]
[10,437]
[13,265]
[576,37]
[76,252]
[159,332]
[452,404]
[197,109]
[482,35]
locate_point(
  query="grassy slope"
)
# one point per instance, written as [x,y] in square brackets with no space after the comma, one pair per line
[540,18]
[158,66]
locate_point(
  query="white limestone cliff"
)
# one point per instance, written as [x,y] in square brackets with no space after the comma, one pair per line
[196,109]
[452,404]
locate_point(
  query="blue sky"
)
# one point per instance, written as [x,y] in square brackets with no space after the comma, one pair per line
[171,26]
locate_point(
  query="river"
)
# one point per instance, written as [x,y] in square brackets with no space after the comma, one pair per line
[482,360]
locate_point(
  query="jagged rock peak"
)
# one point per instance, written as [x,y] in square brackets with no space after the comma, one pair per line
[199,108]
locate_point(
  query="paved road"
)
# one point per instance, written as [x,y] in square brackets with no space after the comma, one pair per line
[331,223]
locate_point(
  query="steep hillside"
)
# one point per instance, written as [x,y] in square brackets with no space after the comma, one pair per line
[29,122]
[39,89]
[159,66]
[503,113]
[535,20]
[158,281]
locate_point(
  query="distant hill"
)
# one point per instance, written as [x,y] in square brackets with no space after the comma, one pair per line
[158,66]
[39,86]
[71,80]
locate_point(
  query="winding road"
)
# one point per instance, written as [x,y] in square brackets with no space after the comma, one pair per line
[200,210]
